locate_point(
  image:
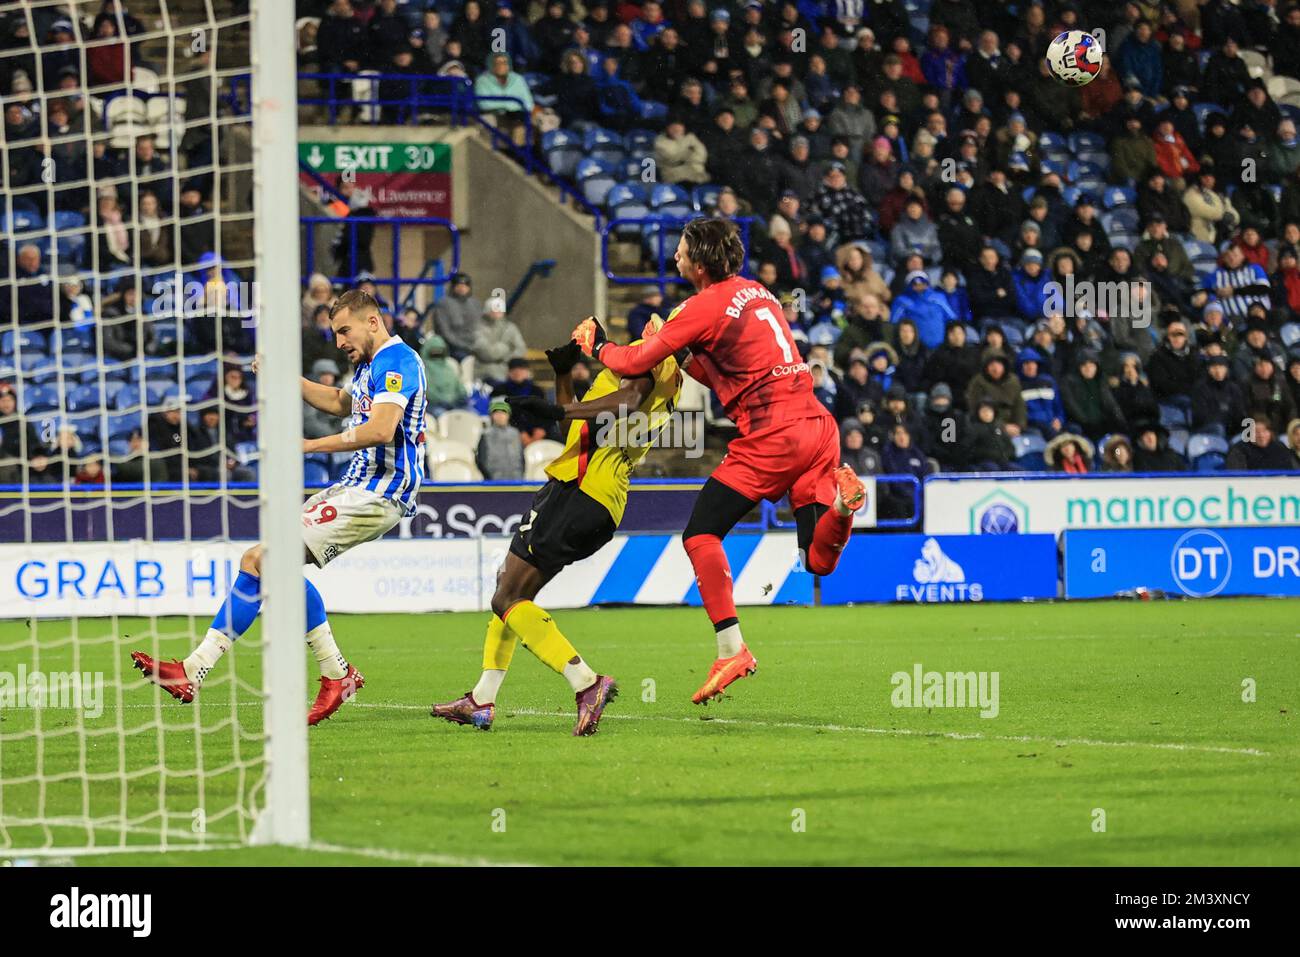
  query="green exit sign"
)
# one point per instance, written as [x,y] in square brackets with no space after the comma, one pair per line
[376,157]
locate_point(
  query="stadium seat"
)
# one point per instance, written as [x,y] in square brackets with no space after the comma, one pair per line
[75,339]
[603,145]
[595,179]
[1084,141]
[671,200]
[704,198]
[22,221]
[314,474]
[85,397]
[1209,462]
[1202,110]
[449,450]
[1069,194]
[1033,462]
[198,388]
[455,470]
[639,141]
[39,398]
[1114,196]
[202,367]
[563,150]
[462,426]
[539,454]
[1290,334]
[160,392]
[633,167]
[122,425]
[625,193]
[1058,166]
[165,115]
[128,397]
[1123,219]
[68,219]
[39,369]
[1052,141]
[1081,170]
[1178,439]
[1203,443]
[27,340]
[1173,416]
[126,117]
[1027,443]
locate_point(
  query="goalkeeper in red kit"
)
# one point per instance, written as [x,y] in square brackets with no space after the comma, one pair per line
[788,443]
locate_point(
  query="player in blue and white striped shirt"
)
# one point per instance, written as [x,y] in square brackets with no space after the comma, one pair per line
[385,407]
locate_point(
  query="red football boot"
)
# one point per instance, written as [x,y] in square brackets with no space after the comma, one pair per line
[723,673]
[333,692]
[168,675]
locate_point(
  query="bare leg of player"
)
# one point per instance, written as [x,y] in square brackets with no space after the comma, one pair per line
[517,618]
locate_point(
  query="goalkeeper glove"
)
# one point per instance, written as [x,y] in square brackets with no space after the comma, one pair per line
[590,336]
[536,407]
[564,358]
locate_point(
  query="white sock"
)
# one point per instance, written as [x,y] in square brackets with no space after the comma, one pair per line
[729,641]
[489,684]
[579,676]
[205,657]
[321,641]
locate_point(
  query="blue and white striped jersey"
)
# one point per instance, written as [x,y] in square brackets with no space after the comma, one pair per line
[394,471]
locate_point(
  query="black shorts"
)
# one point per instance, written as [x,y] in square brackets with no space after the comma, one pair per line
[564,525]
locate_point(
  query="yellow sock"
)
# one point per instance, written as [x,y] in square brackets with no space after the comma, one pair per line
[498,645]
[540,635]
[498,648]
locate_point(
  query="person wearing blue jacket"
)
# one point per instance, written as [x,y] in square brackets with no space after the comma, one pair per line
[925,307]
[1140,57]
[1044,409]
[1031,285]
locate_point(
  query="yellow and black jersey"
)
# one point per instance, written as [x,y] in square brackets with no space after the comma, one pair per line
[600,455]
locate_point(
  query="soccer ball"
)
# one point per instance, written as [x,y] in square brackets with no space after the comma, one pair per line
[1074,58]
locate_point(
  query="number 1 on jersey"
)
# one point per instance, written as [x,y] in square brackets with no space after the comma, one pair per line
[766,314]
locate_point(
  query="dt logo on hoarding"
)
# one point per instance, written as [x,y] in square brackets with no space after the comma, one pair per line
[1200,563]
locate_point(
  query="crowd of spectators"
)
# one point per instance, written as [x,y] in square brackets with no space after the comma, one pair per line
[909,215]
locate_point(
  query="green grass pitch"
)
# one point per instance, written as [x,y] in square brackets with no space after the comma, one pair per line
[1133,711]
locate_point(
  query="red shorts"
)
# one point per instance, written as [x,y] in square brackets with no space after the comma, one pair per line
[796,457]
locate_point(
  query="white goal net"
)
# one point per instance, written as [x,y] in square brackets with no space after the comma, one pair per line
[136,439]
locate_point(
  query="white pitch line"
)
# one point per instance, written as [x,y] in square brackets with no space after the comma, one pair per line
[839,728]
[849,728]
[407,857]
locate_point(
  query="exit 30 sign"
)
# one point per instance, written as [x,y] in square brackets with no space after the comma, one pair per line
[395,179]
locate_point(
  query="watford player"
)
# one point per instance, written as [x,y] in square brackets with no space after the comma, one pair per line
[788,443]
[572,516]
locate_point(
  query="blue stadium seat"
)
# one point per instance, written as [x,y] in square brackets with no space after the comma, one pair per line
[625,193]
[1084,141]
[111,388]
[314,474]
[1202,110]
[74,339]
[1070,194]
[161,370]
[65,219]
[1209,462]
[1027,443]
[160,392]
[87,427]
[1123,219]
[704,198]
[1081,171]
[39,369]
[664,194]
[39,398]
[595,179]
[1015,336]
[23,221]
[633,167]
[1205,442]
[198,387]
[1099,160]
[128,397]
[1290,334]
[639,141]
[1178,439]
[85,397]
[77,361]
[1033,462]
[1053,141]
[119,448]
[563,150]
[121,426]
[1291,111]
[1093,185]
[1173,416]
[1058,166]
[27,341]
[202,367]
[604,145]
[1114,196]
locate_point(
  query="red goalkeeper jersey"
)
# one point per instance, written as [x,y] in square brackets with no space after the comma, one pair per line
[742,349]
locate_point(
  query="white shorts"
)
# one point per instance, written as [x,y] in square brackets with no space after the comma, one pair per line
[343,516]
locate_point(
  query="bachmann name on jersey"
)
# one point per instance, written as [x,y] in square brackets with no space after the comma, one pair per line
[395,375]
[742,349]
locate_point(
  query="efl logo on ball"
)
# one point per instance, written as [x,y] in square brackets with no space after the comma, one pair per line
[1074,58]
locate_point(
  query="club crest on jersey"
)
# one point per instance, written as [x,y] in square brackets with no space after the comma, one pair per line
[393,382]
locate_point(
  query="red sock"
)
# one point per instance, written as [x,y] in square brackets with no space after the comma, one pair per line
[829,538]
[713,575]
